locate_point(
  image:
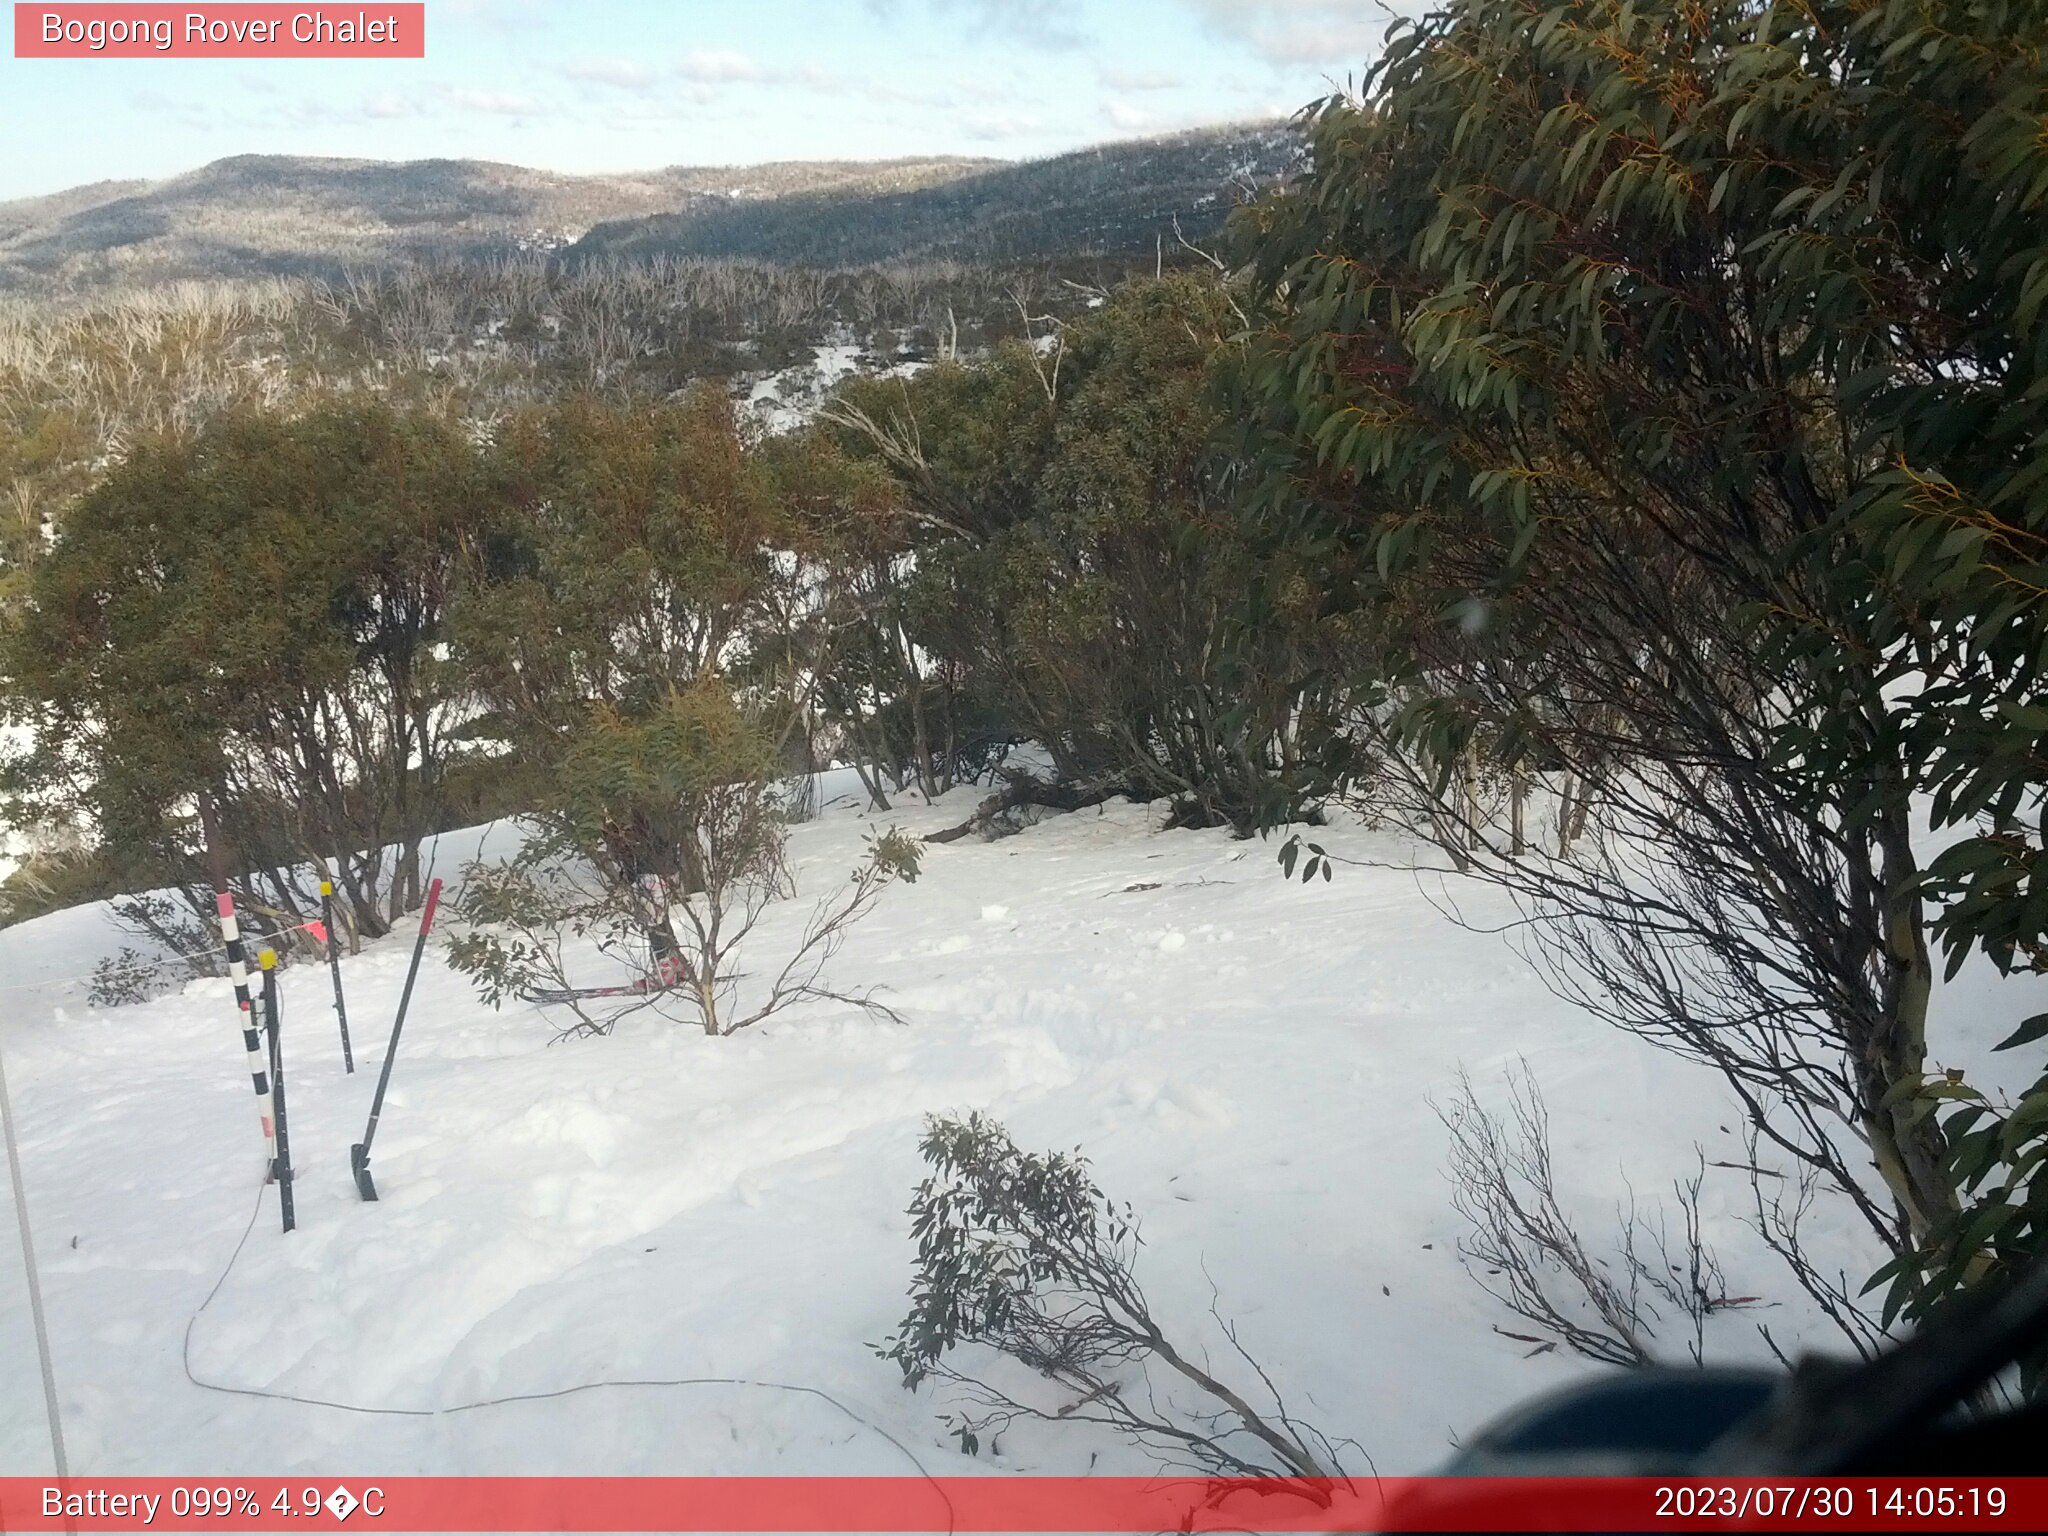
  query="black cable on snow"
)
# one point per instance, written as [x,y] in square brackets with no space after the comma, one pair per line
[185,1361]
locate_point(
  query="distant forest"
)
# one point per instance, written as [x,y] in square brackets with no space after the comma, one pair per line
[279,216]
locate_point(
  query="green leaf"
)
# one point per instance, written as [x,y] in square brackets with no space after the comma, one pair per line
[2029,1031]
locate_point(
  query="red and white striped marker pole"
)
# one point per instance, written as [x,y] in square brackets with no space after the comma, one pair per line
[252,1033]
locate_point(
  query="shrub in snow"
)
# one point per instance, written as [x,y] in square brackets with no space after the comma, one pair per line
[129,976]
[1525,1253]
[1021,1252]
[698,778]
[668,825]
[520,914]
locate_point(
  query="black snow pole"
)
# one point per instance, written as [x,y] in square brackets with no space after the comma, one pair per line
[273,1017]
[348,1060]
[359,1154]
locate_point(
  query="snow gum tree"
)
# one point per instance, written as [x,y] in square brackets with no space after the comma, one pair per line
[646,636]
[635,545]
[697,767]
[253,615]
[1659,384]
[1074,560]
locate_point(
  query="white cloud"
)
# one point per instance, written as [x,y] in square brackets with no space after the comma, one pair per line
[498,15]
[698,78]
[1140,79]
[1122,114]
[390,105]
[378,107]
[720,66]
[625,74]
[1320,42]
[908,96]
[1053,24]
[999,125]
[494,103]
[191,114]
[1315,32]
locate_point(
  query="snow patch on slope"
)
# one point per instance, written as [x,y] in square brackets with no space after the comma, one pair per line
[789,398]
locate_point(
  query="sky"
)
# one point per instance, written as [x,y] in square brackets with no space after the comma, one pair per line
[618,85]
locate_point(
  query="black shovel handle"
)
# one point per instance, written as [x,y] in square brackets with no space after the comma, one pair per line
[361,1150]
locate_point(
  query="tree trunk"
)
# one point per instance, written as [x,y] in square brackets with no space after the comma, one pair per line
[1905,1139]
[1471,794]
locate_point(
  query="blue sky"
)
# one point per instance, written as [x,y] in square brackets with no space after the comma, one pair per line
[597,85]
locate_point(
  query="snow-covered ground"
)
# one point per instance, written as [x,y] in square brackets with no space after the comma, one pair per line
[1246,1060]
[790,397]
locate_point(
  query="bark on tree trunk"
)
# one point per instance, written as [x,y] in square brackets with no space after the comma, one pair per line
[870,779]
[1905,1139]
[1470,770]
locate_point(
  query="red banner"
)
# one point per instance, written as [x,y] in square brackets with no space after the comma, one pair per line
[991,1504]
[360,31]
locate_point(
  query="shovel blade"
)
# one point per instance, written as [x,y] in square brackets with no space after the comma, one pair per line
[359,1165]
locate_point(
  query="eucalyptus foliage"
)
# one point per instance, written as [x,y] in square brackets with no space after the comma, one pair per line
[1073,566]
[256,615]
[1661,385]
[1022,1252]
